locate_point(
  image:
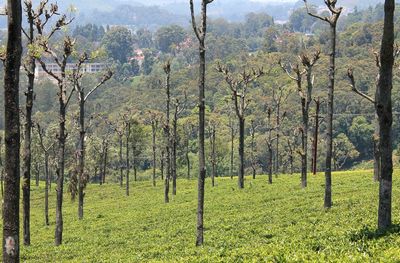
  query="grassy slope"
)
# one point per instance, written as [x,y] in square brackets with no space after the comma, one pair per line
[278,222]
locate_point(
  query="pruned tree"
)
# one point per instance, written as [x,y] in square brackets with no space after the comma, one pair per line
[270,140]
[127,125]
[12,64]
[119,130]
[200,32]
[37,21]
[290,154]
[179,108]
[167,130]
[279,97]
[383,100]
[154,120]
[305,95]
[46,152]
[83,96]
[315,138]
[63,99]
[239,89]
[332,20]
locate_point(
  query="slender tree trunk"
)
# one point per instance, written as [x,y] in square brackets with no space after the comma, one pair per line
[304,138]
[153,129]
[46,188]
[105,162]
[270,164]
[232,152]
[134,165]
[278,123]
[187,158]
[37,175]
[128,135]
[27,155]
[315,142]
[11,243]
[121,165]
[329,131]
[241,153]
[101,160]
[304,156]
[167,134]
[384,111]
[201,36]
[81,156]
[213,157]
[60,170]
[162,165]
[174,144]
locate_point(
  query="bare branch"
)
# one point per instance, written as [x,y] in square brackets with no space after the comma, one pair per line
[354,88]
[105,78]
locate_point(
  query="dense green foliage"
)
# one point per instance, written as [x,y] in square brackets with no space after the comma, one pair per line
[267,223]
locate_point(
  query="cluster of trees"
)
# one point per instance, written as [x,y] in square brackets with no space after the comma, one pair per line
[262,89]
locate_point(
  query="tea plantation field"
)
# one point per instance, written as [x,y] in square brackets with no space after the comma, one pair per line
[262,223]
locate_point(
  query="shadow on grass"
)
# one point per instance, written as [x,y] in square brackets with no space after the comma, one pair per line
[367,233]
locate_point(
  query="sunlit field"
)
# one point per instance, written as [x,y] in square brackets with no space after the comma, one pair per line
[262,223]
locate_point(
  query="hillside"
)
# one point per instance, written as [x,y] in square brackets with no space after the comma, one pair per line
[272,223]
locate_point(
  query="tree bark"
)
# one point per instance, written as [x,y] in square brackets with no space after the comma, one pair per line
[46,188]
[315,141]
[162,165]
[201,36]
[154,146]
[27,154]
[329,132]
[105,162]
[232,146]
[11,243]
[174,145]
[128,135]
[241,153]
[167,133]
[384,112]
[121,165]
[81,155]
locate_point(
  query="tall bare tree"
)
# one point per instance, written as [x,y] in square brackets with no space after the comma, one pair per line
[127,125]
[332,20]
[305,100]
[83,177]
[270,140]
[46,152]
[167,130]
[37,21]
[239,88]
[383,100]
[63,99]
[11,242]
[154,121]
[279,97]
[315,138]
[200,32]
[179,107]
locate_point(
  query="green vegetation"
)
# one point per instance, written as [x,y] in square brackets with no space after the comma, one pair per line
[271,223]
